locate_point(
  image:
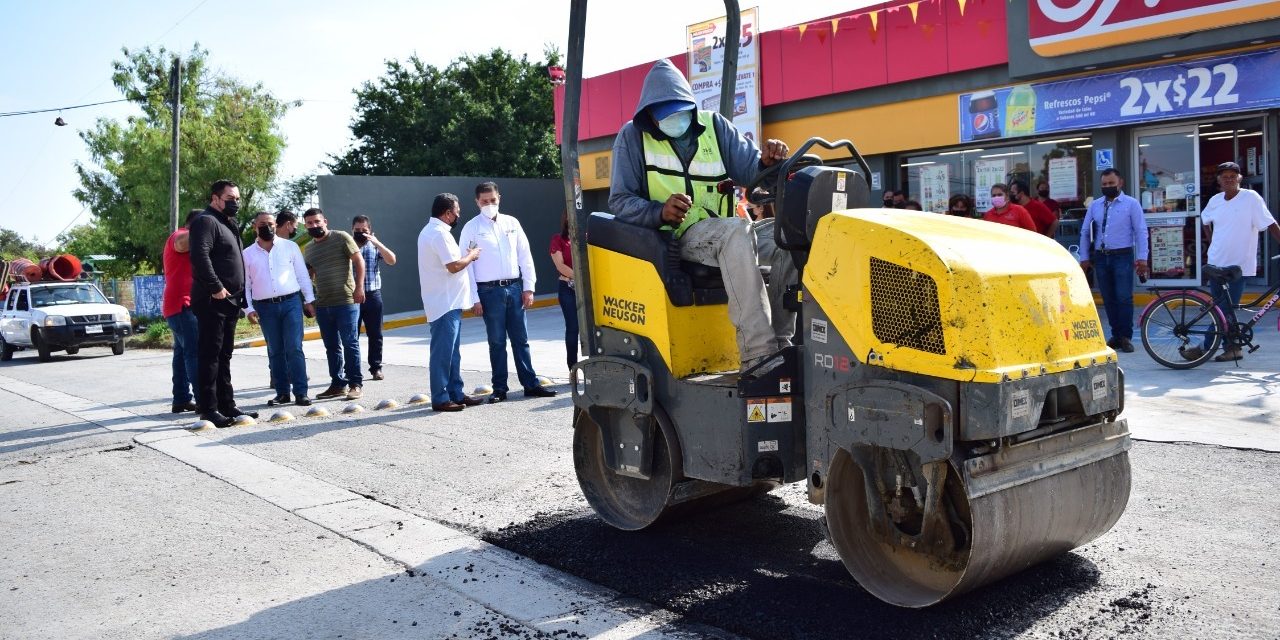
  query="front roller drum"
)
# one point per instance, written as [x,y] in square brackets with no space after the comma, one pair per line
[993,535]
[630,503]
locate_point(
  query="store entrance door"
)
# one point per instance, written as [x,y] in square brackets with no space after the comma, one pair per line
[1166,181]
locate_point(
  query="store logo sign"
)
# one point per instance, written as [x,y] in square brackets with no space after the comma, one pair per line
[1059,27]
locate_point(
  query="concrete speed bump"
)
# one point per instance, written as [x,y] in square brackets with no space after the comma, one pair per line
[201,425]
[243,421]
[317,412]
[419,398]
[387,404]
[281,416]
[352,407]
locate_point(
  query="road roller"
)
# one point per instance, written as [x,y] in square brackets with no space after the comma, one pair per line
[948,396]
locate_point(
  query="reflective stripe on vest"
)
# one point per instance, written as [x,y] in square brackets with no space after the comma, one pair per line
[666,174]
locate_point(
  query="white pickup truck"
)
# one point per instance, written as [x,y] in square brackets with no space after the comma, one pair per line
[60,316]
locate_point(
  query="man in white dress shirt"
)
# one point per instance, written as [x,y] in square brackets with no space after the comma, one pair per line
[446,288]
[503,286]
[274,274]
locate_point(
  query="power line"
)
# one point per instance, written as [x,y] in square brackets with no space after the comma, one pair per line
[76,106]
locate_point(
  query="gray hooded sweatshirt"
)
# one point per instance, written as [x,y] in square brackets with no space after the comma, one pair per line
[628,188]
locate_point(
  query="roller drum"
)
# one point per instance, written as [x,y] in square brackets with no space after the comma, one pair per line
[998,533]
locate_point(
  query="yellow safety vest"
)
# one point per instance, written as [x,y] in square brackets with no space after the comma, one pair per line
[666,175]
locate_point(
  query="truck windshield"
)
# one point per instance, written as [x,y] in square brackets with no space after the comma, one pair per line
[53,296]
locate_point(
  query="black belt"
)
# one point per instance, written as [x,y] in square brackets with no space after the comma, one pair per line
[276,299]
[498,283]
[1107,252]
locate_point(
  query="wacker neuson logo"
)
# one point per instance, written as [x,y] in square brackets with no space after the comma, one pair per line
[624,310]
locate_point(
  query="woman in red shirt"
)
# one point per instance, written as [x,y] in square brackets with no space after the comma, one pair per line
[562,256]
[1005,212]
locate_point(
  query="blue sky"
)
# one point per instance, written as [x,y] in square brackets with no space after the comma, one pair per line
[60,54]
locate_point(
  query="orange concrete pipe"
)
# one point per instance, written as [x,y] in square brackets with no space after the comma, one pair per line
[65,267]
[24,268]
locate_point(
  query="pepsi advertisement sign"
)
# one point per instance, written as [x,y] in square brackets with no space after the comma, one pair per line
[1188,89]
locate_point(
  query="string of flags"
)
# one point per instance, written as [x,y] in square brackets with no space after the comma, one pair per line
[831,26]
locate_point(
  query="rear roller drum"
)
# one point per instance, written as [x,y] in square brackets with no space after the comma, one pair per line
[894,555]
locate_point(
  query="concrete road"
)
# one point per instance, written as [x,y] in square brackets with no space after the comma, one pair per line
[219,534]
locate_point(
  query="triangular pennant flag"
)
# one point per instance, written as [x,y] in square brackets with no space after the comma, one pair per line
[915,10]
[835,26]
[875,15]
[802,30]
[822,36]
[961,2]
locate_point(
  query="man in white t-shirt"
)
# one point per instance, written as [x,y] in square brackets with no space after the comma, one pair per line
[1232,220]
[445,283]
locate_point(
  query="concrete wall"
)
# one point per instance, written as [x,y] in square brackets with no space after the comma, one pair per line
[399,207]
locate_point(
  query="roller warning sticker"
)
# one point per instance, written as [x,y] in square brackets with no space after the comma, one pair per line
[1020,404]
[779,410]
[767,445]
[1099,387]
[756,410]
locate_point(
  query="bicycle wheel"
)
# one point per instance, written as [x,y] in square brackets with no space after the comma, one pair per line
[1174,327]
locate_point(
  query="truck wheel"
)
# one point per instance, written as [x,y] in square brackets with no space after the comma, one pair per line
[42,347]
[6,350]
[117,347]
[71,351]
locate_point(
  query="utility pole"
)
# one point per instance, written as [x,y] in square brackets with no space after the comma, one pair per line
[175,94]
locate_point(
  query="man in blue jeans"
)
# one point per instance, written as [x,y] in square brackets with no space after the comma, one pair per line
[176,308]
[446,291]
[1113,240]
[503,281]
[338,267]
[274,276]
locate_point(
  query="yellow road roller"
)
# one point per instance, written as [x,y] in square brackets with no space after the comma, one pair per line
[948,397]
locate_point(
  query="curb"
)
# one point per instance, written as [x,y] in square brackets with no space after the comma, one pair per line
[313,333]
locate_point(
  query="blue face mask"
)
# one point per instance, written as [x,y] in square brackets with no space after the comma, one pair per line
[676,124]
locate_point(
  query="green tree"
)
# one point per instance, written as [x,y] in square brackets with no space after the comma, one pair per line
[86,240]
[229,130]
[13,245]
[294,195]
[491,114]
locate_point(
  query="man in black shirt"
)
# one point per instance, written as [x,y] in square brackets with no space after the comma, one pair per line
[217,295]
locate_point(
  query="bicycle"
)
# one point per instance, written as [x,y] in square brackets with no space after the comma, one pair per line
[1176,324]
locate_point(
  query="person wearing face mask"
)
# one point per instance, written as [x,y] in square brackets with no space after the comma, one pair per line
[502,284]
[960,205]
[217,295]
[375,254]
[1113,240]
[1005,212]
[445,283]
[274,275]
[666,163]
[335,259]
[1042,196]
[1046,222]
[887,199]
[286,224]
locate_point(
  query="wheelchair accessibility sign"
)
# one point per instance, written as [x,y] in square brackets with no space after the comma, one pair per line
[1103,159]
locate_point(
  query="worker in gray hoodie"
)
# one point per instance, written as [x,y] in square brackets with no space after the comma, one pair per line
[667,162]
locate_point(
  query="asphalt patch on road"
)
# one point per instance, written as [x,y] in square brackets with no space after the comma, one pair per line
[760,569]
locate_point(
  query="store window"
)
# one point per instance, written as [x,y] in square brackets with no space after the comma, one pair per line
[1064,165]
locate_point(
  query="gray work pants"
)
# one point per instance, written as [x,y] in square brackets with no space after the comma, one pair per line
[782,272]
[727,243]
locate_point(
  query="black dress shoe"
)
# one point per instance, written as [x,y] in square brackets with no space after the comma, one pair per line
[497,396]
[283,398]
[303,401]
[470,401]
[1124,345]
[234,413]
[185,406]
[220,421]
[538,392]
[376,374]
[447,406]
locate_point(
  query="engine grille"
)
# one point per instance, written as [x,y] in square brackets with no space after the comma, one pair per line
[904,308]
[91,318]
